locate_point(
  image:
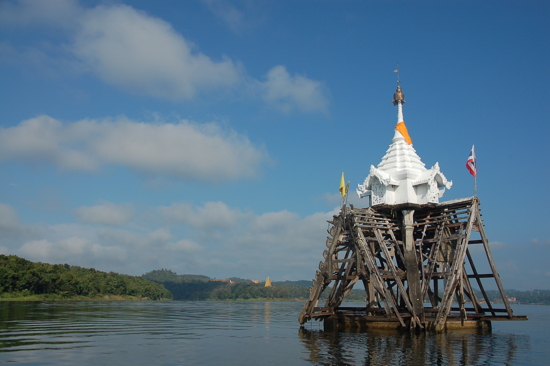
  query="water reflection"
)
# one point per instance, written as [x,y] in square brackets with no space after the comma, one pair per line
[402,348]
[267,314]
[239,333]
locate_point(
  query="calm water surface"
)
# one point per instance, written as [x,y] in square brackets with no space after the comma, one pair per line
[243,333]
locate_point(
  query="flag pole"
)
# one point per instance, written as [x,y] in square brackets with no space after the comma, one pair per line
[344,191]
[475,176]
[345,197]
[471,165]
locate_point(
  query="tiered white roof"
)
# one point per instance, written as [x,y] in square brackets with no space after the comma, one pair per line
[401,176]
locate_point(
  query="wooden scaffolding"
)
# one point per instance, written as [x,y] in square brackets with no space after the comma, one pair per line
[416,267]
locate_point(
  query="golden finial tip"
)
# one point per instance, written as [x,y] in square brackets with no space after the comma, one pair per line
[398,96]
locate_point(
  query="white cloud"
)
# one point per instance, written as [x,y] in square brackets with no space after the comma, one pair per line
[184,246]
[108,249]
[497,245]
[107,213]
[210,215]
[212,239]
[73,250]
[9,220]
[120,237]
[142,54]
[44,139]
[538,242]
[37,250]
[286,233]
[289,92]
[184,150]
[125,47]
[158,237]
[11,227]
[135,241]
[231,16]
[273,243]
[281,245]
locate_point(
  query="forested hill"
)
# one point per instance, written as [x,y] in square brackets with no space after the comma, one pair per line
[198,287]
[166,275]
[23,279]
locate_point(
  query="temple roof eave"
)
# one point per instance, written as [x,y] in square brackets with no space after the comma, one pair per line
[382,176]
[433,174]
[375,174]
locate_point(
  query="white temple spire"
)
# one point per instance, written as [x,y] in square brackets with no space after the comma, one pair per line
[400,129]
[400,112]
[401,176]
[399,100]
[399,97]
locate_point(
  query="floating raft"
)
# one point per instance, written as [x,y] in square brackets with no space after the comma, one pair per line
[416,264]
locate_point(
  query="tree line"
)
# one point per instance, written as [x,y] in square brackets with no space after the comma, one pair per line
[197,287]
[22,278]
[538,297]
[214,290]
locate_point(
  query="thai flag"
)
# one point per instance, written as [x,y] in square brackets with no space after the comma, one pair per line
[471,163]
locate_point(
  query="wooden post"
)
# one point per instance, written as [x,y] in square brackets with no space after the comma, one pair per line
[411,263]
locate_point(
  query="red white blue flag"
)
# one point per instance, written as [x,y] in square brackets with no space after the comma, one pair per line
[471,163]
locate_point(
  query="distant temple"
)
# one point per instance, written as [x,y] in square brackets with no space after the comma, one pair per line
[268,282]
[409,251]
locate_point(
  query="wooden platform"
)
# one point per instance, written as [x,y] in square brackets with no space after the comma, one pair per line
[406,255]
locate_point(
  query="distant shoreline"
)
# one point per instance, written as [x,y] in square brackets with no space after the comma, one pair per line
[23,280]
[54,297]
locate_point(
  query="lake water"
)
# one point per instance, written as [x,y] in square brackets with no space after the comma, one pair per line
[243,333]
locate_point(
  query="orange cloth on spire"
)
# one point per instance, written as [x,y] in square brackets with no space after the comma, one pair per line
[403,131]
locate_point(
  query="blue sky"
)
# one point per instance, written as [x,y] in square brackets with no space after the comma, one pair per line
[209,137]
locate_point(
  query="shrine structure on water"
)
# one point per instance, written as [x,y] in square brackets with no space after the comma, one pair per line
[410,252]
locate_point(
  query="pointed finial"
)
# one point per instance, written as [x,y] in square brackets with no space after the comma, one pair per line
[397,71]
[398,96]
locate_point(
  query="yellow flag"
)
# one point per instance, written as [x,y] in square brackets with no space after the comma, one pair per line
[403,131]
[343,186]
